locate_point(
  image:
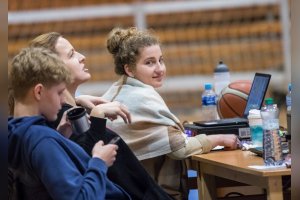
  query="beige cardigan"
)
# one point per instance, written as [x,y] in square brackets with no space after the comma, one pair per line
[155,135]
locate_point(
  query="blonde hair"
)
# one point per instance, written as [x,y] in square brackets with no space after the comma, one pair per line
[125,46]
[46,40]
[32,66]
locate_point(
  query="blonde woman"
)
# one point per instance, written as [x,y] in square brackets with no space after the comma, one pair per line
[126,170]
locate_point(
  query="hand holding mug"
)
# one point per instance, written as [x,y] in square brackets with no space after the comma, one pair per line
[79,120]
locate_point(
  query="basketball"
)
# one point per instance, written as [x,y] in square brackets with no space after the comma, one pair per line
[233,99]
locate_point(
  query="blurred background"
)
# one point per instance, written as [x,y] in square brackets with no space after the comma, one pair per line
[247,35]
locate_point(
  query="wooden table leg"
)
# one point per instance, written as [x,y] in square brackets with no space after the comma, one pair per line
[206,186]
[199,185]
[274,188]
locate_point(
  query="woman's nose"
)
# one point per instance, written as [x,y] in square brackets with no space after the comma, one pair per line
[81,57]
[159,67]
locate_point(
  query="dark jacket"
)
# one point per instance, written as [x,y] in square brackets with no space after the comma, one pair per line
[126,171]
[50,166]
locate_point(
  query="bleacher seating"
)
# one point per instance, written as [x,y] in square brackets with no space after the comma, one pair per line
[15,5]
[246,38]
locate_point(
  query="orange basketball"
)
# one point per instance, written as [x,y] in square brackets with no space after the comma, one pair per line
[233,99]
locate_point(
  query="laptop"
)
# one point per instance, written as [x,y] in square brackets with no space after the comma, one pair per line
[255,100]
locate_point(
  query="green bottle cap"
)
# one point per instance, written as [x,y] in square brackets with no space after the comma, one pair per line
[269,101]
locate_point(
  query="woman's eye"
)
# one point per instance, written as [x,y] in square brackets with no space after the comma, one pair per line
[150,62]
[72,54]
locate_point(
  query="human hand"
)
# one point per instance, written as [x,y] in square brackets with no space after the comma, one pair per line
[112,110]
[89,101]
[107,153]
[229,141]
[64,127]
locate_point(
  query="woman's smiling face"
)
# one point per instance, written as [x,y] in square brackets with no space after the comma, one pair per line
[150,67]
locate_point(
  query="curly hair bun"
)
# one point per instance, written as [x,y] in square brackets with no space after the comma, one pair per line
[116,38]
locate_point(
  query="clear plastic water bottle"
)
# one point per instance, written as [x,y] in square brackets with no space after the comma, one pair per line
[272,152]
[289,107]
[209,103]
[221,77]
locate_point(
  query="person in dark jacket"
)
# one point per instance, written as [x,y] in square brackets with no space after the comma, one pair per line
[126,170]
[48,165]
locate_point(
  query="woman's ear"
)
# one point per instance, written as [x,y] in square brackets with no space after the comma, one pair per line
[37,90]
[128,71]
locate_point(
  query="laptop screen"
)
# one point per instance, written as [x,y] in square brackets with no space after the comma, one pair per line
[257,92]
[255,100]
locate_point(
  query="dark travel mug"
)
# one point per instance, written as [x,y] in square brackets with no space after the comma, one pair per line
[79,120]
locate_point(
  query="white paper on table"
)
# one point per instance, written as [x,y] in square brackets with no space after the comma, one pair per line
[218,147]
[261,167]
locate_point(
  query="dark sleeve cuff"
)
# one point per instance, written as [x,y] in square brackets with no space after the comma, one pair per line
[93,135]
[98,124]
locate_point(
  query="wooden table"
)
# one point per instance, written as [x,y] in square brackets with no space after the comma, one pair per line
[233,165]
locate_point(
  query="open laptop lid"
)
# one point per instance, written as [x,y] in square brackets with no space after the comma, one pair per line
[255,100]
[257,93]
